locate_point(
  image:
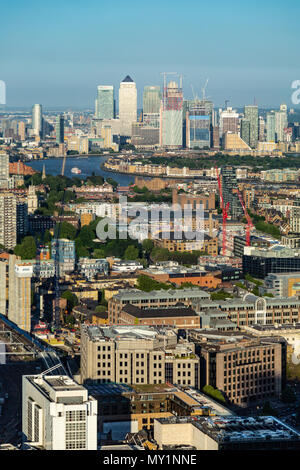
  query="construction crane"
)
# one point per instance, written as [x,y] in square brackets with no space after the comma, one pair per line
[224,213]
[249,225]
[203,90]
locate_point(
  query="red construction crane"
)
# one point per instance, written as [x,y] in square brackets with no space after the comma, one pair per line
[248,218]
[224,213]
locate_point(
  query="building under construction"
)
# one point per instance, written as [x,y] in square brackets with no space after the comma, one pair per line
[171,115]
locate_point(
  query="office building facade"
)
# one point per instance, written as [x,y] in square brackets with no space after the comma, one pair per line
[127,105]
[105,104]
[58,414]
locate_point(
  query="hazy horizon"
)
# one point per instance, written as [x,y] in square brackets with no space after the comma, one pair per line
[57,56]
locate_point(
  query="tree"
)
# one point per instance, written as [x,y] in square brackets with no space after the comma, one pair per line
[147,284]
[148,246]
[214,393]
[131,253]
[26,249]
[71,298]
[67,230]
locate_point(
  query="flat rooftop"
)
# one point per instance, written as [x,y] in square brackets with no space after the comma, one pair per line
[99,333]
[237,428]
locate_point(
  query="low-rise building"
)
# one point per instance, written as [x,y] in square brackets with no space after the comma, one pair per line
[153,299]
[246,369]
[137,355]
[225,433]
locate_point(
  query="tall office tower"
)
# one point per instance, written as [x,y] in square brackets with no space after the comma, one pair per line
[151,105]
[22,217]
[104,105]
[261,129]
[19,292]
[251,114]
[127,105]
[8,220]
[37,119]
[270,127]
[171,116]
[198,125]
[281,122]
[60,129]
[58,413]
[245,130]
[229,121]
[229,183]
[4,170]
[21,130]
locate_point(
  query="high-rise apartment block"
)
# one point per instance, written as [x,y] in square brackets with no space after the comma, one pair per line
[58,414]
[251,115]
[4,169]
[59,129]
[37,120]
[229,184]
[8,220]
[19,293]
[63,251]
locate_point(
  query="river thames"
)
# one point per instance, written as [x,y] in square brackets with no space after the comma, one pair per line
[87,165]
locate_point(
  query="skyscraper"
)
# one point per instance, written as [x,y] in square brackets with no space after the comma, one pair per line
[251,114]
[229,184]
[281,122]
[245,131]
[198,125]
[37,119]
[19,294]
[151,105]
[127,104]
[8,220]
[4,169]
[171,116]
[60,129]
[104,106]
[270,126]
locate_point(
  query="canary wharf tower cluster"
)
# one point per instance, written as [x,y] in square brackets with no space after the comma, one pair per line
[166,120]
[170,121]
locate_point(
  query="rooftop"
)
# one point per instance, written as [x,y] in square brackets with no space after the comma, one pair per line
[237,429]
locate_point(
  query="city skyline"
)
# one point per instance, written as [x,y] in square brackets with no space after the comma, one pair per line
[45,62]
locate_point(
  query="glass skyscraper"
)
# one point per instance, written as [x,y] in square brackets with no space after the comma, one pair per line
[104,106]
[151,105]
[251,115]
[59,129]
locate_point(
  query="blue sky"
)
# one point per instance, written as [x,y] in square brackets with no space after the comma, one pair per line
[57,52]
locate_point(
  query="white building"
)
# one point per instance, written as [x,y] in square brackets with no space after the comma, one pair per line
[37,119]
[127,105]
[58,414]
